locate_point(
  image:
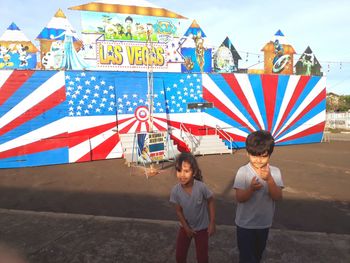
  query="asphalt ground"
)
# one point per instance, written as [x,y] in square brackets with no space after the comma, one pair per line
[85,212]
[42,237]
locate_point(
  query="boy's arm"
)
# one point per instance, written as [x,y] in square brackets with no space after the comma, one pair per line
[211,208]
[243,195]
[275,191]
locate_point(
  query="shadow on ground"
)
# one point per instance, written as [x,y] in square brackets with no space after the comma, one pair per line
[292,214]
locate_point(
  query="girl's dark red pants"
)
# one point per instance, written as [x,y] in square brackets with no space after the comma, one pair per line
[183,242]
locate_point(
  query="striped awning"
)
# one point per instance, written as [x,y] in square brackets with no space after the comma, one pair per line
[127,7]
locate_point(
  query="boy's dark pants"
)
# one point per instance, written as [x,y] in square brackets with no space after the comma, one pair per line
[251,244]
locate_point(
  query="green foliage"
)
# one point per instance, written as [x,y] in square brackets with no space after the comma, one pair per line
[339,103]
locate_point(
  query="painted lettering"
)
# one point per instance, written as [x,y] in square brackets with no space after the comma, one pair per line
[109,54]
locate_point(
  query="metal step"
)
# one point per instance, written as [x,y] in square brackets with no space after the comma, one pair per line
[211,144]
[129,152]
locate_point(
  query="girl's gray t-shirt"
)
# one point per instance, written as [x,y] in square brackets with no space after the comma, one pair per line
[194,205]
[258,211]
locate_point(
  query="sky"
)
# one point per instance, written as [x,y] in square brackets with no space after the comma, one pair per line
[322,25]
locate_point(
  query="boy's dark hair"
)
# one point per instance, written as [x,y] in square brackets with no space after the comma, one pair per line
[260,142]
[189,158]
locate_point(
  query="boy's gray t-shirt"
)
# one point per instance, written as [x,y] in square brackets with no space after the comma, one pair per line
[258,211]
[194,205]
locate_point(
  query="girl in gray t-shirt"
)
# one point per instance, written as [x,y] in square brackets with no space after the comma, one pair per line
[194,204]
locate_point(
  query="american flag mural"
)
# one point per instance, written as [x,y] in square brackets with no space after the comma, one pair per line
[55,117]
[292,107]
[50,117]
[32,104]
[92,119]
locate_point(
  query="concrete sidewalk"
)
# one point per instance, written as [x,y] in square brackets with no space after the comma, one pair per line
[70,238]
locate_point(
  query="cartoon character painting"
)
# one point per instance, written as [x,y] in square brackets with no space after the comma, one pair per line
[223,60]
[280,60]
[15,55]
[5,57]
[71,59]
[308,61]
[53,58]
[199,42]
[141,31]
[188,63]
[128,26]
[23,56]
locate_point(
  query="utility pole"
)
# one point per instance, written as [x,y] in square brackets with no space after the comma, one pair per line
[150,91]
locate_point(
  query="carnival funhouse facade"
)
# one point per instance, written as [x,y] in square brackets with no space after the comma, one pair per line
[139,70]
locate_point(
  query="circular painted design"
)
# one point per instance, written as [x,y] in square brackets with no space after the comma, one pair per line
[142,113]
[280,63]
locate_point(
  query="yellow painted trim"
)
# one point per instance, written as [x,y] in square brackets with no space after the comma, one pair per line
[127,9]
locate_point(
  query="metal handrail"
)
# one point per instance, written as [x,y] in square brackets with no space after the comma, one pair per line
[193,139]
[224,134]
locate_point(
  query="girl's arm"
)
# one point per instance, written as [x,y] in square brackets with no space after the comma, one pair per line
[211,206]
[181,217]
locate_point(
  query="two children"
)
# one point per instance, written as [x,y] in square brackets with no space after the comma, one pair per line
[258,185]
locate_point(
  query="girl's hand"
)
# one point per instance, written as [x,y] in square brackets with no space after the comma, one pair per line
[211,229]
[189,232]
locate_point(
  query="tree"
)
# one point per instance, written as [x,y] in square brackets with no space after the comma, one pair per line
[336,102]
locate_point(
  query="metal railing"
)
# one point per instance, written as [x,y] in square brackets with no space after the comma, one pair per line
[220,131]
[190,137]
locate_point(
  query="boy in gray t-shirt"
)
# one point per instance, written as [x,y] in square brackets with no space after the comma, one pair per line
[258,185]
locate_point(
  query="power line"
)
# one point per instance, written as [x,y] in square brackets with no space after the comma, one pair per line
[247,53]
[339,82]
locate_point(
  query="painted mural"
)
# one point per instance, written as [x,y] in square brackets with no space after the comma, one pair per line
[308,64]
[16,50]
[278,55]
[137,28]
[137,35]
[52,117]
[126,38]
[226,58]
[84,94]
[197,58]
[59,44]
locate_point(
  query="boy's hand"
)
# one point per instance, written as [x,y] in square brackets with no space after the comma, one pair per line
[255,184]
[264,172]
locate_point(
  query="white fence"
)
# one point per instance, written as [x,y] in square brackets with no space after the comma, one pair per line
[338,120]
